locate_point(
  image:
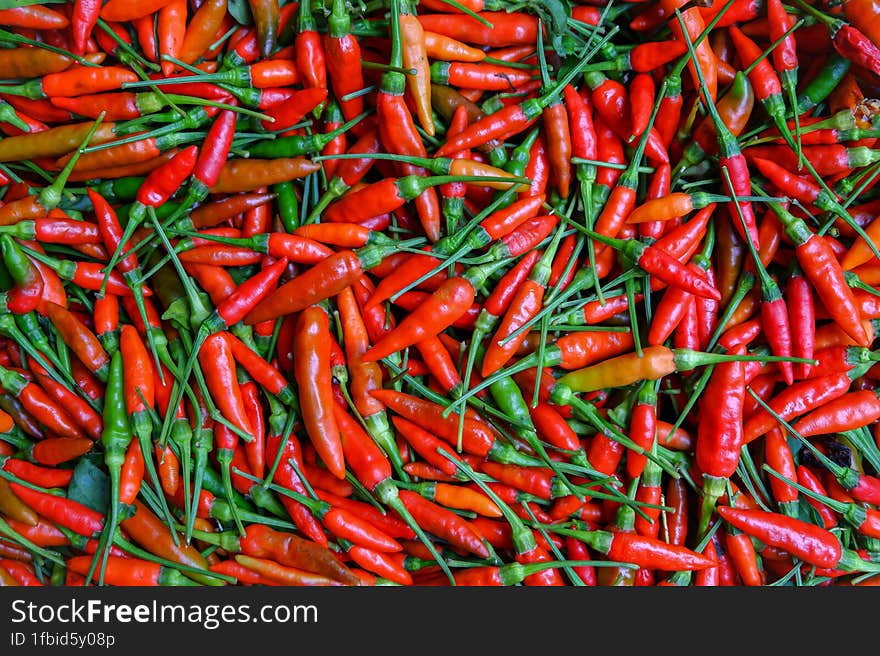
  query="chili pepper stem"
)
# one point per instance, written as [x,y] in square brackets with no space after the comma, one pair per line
[586,176]
[224,460]
[713,488]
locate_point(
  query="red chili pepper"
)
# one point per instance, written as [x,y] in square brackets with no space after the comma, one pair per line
[79,338]
[35,17]
[644,551]
[65,512]
[778,456]
[37,475]
[76,81]
[322,281]
[506,29]
[810,481]
[343,61]
[286,476]
[643,428]
[848,412]
[476,436]
[744,558]
[32,397]
[203,26]
[216,359]
[444,523]
[612,105]
[310,56]
[823,270]
[641,100]
[808,542]
[163,182]
[445,306]
[85,15]
[312,369]
[20,573]
[703,67]
[523,306]
[799,299]
[650,491]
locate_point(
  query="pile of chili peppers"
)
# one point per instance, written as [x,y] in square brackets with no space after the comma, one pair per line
[448,292]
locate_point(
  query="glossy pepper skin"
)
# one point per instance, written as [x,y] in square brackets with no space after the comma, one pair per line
[267,270]
[312,362]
